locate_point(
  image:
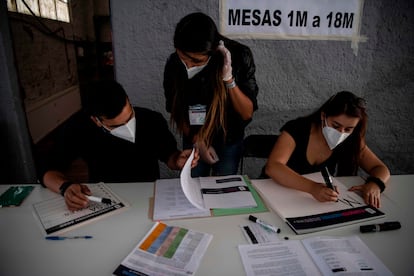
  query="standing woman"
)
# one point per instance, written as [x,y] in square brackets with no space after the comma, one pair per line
[210,90]
[332,137]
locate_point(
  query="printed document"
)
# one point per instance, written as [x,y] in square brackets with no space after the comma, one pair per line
[312,256]
[166,250]
[171,203]
[55,217]
[211,192]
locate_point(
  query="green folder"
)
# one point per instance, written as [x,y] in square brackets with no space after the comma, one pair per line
[15,195]
[261,207]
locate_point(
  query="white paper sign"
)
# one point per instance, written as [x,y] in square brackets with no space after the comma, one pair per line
[293,19]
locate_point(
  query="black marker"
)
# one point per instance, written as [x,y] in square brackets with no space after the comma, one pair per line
[264,224]
[250,234]
[386,226]
[327,178]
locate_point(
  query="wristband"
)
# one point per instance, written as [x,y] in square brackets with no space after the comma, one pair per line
[231,84]
[377,181]
[65,185]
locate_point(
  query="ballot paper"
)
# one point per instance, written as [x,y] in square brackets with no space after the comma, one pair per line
[54,216]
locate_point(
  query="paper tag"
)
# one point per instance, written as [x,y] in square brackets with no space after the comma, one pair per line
[197,114]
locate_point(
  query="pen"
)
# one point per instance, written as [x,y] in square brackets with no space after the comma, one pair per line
[61,238]
[264,224]
[386,226]
[327,178]
[99,199]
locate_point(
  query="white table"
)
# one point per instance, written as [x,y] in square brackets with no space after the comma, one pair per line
[24,251]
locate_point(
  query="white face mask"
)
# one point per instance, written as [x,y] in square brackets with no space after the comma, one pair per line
[126,132]
[191,72]
[332,136]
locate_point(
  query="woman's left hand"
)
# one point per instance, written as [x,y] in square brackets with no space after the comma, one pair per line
[227,69]
[371,193]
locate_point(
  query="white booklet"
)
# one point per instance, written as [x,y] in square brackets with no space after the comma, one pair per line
[171,203]
[166,250]
[304,214]
[312,256]
[211,192]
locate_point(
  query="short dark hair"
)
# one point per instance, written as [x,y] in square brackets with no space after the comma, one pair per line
[196,33]
[105,98]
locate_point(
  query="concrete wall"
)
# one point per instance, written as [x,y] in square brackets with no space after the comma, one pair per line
[39,81]
[294,77]
[16,159]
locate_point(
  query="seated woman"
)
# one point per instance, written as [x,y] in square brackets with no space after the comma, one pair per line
[332,137]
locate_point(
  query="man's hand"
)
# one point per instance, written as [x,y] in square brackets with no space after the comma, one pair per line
[75,196]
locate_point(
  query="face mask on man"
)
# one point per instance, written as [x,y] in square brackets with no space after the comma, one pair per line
[126,131]
[332,136]
[191,72]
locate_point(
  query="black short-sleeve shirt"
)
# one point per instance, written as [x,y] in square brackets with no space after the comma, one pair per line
[300,129]
[109,158]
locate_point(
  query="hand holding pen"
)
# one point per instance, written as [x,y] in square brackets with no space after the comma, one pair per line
[328,192]
[76,196]
[79,197]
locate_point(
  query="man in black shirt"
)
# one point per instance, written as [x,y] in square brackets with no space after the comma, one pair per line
[118,142]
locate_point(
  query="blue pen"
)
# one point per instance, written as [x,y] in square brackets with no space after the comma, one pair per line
[61,238]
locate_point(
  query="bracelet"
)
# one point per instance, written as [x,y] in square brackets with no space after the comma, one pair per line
[377,181]
[65,185]
[231,84]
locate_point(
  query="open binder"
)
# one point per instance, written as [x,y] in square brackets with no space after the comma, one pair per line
[187,197]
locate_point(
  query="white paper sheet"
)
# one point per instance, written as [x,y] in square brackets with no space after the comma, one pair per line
[349,255]
[55,217]
[289,202]
[260,234]
[312,256]
[166,250]
[191,186]
[229,191]
[171,203]
[277,258]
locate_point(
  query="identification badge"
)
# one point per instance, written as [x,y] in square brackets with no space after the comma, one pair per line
[197,114]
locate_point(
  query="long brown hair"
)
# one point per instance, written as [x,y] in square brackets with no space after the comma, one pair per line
[197,33]
[347,103]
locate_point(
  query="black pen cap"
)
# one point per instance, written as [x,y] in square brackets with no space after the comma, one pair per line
[252,218]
